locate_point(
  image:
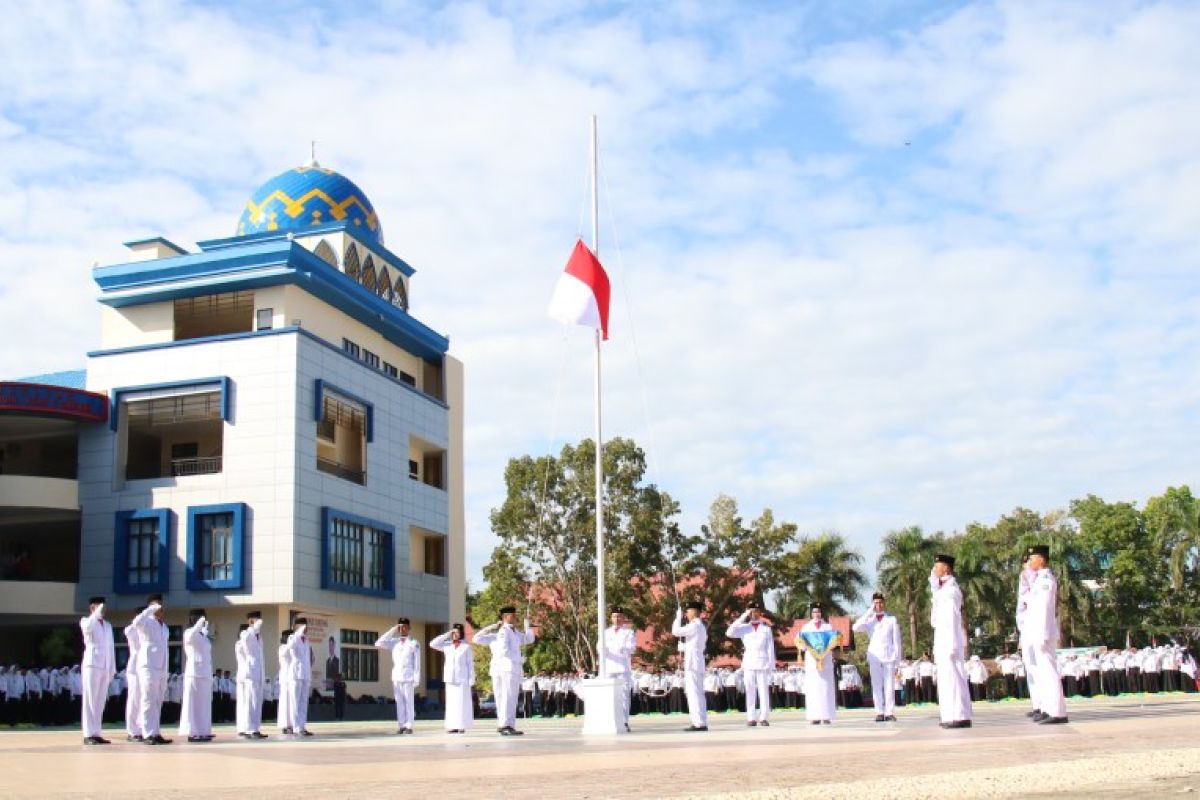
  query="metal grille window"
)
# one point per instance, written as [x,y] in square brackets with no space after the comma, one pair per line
[216,546]
[360,659]
[142,552]
[357,554]
[201,407]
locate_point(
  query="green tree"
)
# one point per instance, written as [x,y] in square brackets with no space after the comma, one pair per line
[826,570]
[1174,517]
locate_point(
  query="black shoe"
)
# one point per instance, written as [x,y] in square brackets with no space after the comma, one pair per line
[131,738]
[826,722]
[1032,714]
[258,735]
[502,731]
[764,724]
[101,740]
[400,731]
[880,718]
[1039,716]
[244,736]
[511,732]
[889,718]
[962,723]
[155,740]
[286,731]
[816,722]
[1048,720]
[408,731]
[691,728]
[91,740]
[627,730]
[751,724]
[304,732]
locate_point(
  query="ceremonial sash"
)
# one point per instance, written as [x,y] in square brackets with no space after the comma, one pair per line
[820,642]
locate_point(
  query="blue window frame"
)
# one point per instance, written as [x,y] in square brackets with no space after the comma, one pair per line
[221,382]
[322,386]
[357,554]
[216,546]
[141,550]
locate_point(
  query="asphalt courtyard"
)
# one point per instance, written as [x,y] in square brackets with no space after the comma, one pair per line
[1126,747]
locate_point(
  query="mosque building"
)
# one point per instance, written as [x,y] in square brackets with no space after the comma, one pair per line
[264,426]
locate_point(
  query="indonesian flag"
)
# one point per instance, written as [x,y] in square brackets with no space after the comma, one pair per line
[581,296]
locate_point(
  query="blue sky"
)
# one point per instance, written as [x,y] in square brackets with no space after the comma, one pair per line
[888,263]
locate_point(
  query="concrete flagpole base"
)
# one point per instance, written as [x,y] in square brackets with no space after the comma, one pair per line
[603,706]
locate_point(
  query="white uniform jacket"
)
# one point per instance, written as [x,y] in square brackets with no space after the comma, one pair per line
[946,616]
[98,649]
[459,666]
[884,631]
[506,645]
[619,646]
[694,636]
[406,656]
[758,639]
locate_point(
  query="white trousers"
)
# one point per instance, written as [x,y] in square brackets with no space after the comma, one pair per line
[153,691]
[403,691]
[507,686]
[133,704]
[1027,657]
[95,695]
[195,715]
[883,685]
[758,694]
[626,680]
[249,705]
[1048,684]
[954,695]
[693,690]
[299,704]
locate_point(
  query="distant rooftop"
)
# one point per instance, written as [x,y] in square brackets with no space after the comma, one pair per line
[69,379]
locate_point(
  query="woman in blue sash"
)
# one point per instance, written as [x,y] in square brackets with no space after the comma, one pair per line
[820,685]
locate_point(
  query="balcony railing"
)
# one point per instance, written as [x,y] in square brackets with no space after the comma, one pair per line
[341,470]
[208,465]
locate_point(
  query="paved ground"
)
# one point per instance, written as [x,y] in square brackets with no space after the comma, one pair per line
[1130,747]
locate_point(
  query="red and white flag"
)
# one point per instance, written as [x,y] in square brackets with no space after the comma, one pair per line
[581,296]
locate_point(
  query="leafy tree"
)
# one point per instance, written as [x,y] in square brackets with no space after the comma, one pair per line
[826,570]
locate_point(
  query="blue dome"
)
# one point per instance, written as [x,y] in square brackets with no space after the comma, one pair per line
[306,196]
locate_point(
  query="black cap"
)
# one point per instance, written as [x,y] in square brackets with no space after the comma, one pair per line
[253,615]
[299,621]
[508,610]
[816,606]
[284,637]
[695,605]
[754,605]
[616,610]
[877,596]
[403,621]
[196,613]
[458,626]
[942,558]
[95,601]
[243,627]
[1042,550]
[153,598]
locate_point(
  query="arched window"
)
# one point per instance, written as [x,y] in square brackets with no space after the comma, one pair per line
[384,287]
[400,298]
[351,262]
[369,278]
[326,252]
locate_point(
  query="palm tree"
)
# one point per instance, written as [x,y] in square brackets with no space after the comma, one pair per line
[824,569]
[1180,534]
[903,569]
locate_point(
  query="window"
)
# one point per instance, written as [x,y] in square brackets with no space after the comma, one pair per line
[140,552]
[264,319]
[435,555]
[429,462]
[214,315]
[357,554]
[369,279]
[400,298]
[351,264]
[390,370]
[414,469]
[360,659]
[344,427]
[384,284]
[370,359]
[216,543]
[409,379]
[172,429]
[351,348]
[325,252]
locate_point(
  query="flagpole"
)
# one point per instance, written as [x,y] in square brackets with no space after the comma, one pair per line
[602,670]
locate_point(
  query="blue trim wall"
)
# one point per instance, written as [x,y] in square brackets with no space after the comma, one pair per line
[382,253]
[319,410]
[116,351]
[114,417]
[196,583]
[259,264]
[121,550]
[328,515]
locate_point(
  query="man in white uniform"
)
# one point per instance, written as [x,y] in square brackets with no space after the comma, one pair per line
[133,689]
[693,636]
[949,645]
[152,668]
[1041,634]
[406,670]
[458,673]
[883,653]
[619,644]
[758,661]
[300,661]
[507,667]
[251,676]
[195,717]
[285,719]
[99,666]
